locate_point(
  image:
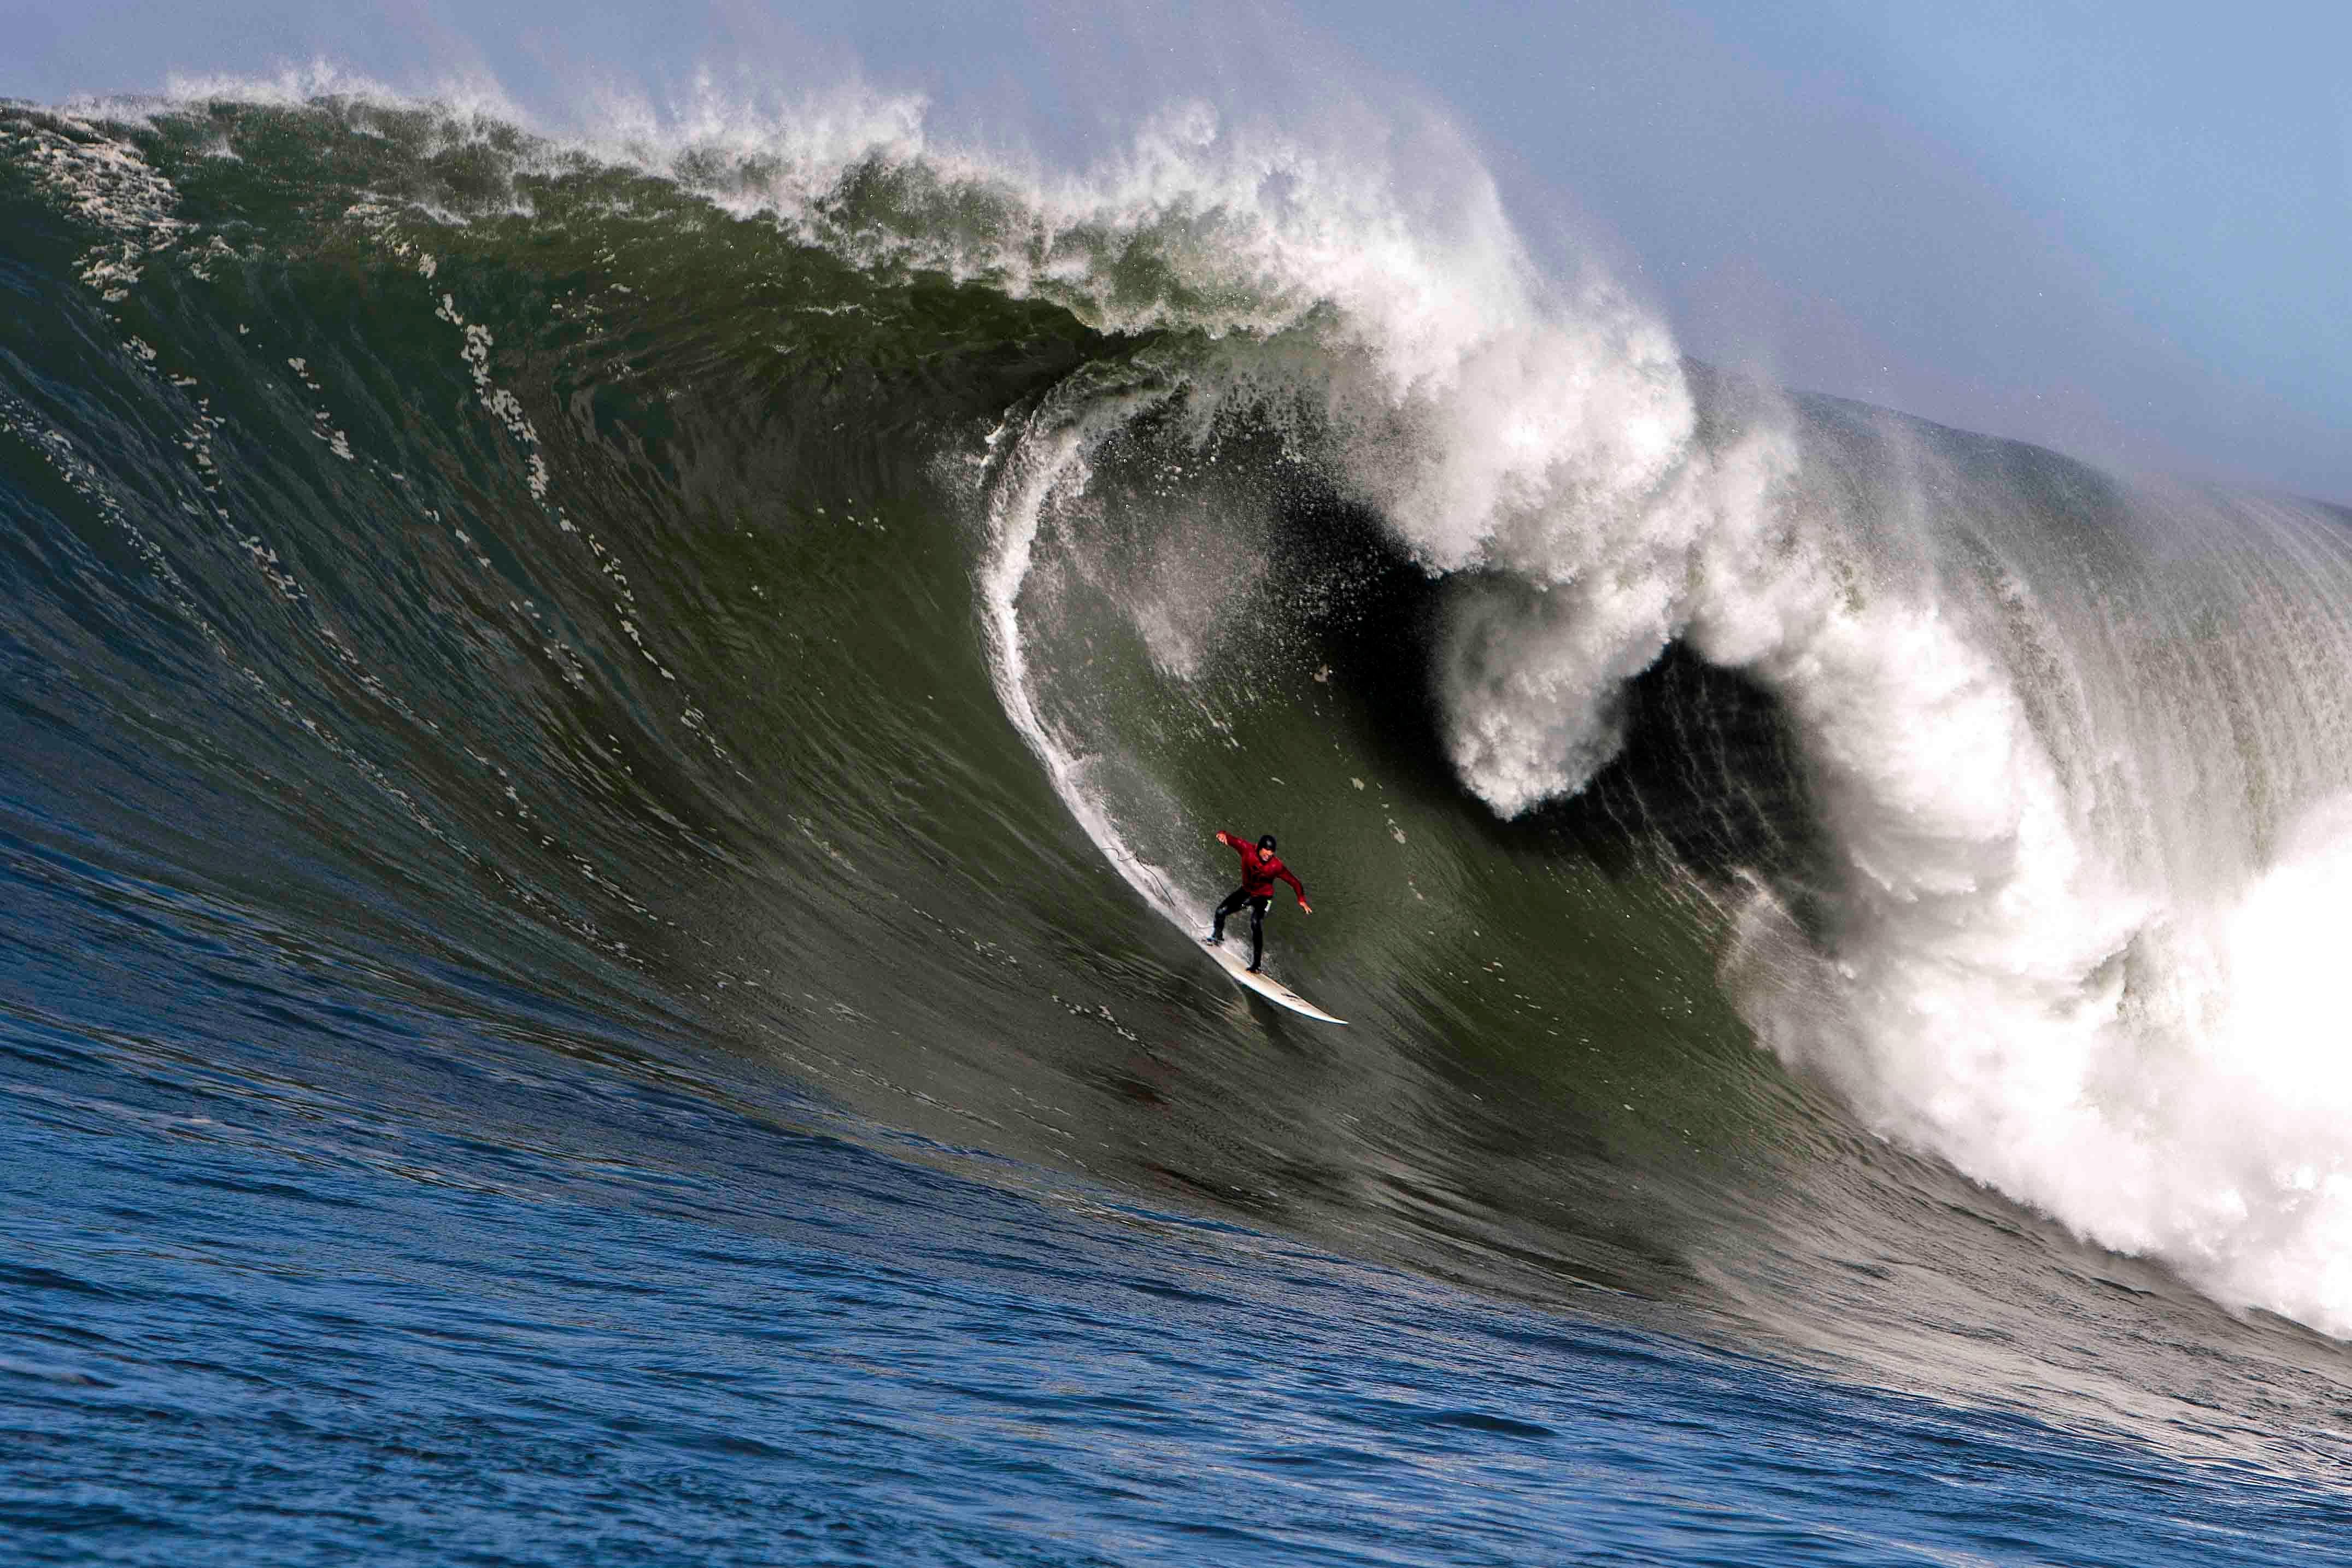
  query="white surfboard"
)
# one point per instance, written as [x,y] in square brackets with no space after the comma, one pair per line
[1273,990]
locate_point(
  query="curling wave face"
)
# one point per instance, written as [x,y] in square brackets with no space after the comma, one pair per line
[764,579]
[2036,932]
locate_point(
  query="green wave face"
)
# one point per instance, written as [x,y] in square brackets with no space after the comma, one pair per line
[824,611]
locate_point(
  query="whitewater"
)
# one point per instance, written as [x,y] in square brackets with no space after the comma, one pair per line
[638,714]
[2079,945]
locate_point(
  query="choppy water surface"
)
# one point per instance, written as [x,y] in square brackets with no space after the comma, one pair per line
[601,1317]
[607,764]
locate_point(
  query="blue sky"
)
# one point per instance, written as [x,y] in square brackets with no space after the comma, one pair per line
[2122,229]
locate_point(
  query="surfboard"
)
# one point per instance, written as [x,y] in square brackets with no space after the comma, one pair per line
[1273,990]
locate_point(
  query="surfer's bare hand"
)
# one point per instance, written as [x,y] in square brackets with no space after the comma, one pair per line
[1305,907]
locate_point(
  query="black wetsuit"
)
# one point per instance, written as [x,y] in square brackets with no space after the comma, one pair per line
[1258,904]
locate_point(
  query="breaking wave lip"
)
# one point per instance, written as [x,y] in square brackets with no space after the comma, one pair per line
[2020,977]
[2036,966]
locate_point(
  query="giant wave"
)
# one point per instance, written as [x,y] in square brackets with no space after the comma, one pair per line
[817,589]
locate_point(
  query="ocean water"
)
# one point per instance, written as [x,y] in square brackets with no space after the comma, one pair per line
[608,763]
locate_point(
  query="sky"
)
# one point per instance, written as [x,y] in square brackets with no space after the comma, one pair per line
[2121,229]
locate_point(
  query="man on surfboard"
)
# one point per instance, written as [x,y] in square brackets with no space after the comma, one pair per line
[1260,866]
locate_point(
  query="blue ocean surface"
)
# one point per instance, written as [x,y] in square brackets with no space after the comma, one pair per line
[509,1306]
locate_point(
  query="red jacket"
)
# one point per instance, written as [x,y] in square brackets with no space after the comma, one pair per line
[1259,868]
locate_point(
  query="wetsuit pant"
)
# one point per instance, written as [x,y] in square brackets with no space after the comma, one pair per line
[1233,901]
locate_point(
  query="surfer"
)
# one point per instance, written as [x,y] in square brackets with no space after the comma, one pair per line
[1260,866]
